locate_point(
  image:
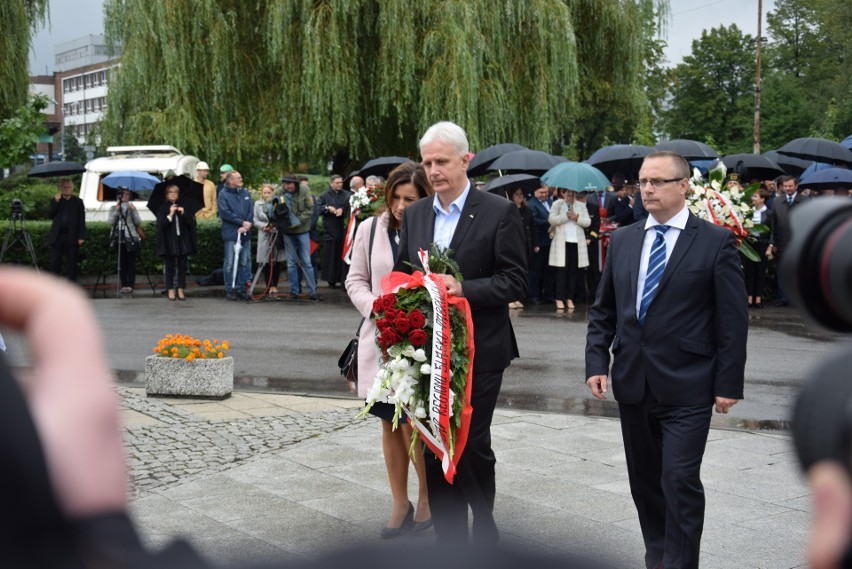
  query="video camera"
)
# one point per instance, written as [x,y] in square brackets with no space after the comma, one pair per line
[17,209]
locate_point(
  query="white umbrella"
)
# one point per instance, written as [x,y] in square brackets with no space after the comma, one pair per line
[238,246]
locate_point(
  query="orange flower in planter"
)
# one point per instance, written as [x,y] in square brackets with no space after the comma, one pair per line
[189,348]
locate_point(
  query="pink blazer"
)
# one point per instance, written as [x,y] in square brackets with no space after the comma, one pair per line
[363,290]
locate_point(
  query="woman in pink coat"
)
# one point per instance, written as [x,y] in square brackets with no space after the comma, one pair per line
[406,184]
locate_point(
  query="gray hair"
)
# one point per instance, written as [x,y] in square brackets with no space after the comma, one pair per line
[448,133]
[375,180]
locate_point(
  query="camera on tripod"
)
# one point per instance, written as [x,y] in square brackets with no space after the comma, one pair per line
[17,209]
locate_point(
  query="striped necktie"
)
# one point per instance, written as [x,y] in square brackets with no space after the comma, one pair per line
[656,266]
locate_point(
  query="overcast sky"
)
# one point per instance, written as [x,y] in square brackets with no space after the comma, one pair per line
[72,19]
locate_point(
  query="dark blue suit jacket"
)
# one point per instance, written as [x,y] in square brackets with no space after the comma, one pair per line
[692,347]
[539,216]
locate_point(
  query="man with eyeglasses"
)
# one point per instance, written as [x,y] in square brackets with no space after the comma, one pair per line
[672,308]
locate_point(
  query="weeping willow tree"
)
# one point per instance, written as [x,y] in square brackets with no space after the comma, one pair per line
[21,19]
[278,81]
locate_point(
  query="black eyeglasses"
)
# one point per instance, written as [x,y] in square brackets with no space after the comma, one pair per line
[658,183]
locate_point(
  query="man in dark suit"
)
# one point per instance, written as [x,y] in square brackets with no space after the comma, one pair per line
[779,223]
[672,307]
[486,234]
[541,274]
[68,230]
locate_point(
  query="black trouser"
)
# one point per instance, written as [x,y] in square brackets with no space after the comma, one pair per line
[65,246]
[593,274]
[664,446]
[567,276]
[170,263]
[541,275]
[475,482]
[127,267]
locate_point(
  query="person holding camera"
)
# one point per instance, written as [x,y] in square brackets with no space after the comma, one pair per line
[68,230]
[297,239]
[175,240]
[127,234]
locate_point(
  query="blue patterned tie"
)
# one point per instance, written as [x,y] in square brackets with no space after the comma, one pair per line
[656,266]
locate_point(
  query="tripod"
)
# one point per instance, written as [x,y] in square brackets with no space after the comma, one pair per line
[17,226]
[272,240]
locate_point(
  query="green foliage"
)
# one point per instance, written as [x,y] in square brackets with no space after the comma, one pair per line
[73,151]
[35,195]
[21,19]
[268,84]
[19,133]
[713,91]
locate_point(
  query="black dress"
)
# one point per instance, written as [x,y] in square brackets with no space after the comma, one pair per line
[175,241]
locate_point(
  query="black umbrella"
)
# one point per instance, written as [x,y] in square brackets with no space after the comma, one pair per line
[482,160]
[791,166]
[818,150]
[752,166]
[502,185]
[526,162]
[381,166]
[56,169]
[191,194]
[828,179]
[620,159]
[689,149]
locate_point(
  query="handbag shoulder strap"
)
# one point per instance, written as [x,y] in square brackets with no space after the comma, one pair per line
[369,265]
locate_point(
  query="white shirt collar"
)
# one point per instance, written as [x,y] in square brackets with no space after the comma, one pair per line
[678,220]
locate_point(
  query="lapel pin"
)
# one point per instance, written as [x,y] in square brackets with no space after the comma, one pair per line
[471,216]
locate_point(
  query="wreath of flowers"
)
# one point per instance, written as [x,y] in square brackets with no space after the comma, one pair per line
[405,322]
[728,207]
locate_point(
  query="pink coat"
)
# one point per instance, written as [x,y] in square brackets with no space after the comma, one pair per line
[362,292]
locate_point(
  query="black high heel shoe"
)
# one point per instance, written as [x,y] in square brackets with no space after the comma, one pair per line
[408,521]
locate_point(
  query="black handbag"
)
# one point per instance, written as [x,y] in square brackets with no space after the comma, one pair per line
[348,361]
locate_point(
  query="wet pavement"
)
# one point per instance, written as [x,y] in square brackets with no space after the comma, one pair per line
[292,347]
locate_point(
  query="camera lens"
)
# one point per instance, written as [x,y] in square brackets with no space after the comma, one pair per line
[816,269]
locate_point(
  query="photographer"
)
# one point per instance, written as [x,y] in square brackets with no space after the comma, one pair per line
[68,230]
[126,234]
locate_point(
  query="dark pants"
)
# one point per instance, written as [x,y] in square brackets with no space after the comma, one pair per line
[541,281]
[664,446]
[171,262]
[67,247]
[593,273]
[567,277]
[475,483]
[127,267]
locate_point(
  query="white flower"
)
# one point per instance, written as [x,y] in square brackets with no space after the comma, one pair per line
[426,369]
[395,351]
[408,352]
[420,412]
[419,355]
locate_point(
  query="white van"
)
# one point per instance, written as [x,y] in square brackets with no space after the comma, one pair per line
[155,160]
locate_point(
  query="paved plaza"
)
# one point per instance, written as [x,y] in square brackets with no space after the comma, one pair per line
[261,477]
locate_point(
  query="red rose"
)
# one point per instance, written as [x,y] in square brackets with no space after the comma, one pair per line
[377,305]
[383,324]
[418,338]
[402,324]
[416,319]
[390,337]
[393,313]
[388,301]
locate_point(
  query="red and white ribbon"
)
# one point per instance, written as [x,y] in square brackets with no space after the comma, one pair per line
[350,237]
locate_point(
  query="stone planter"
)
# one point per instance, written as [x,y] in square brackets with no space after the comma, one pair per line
[210,379]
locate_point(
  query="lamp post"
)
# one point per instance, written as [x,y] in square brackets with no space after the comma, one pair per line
[757,80]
